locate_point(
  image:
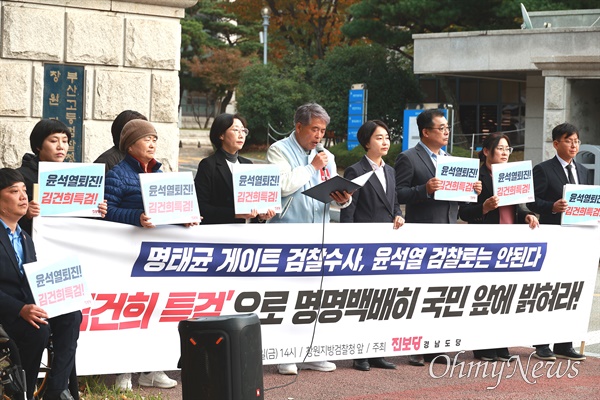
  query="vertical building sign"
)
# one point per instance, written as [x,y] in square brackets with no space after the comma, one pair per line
[63,100]
[411,130]
[357,112]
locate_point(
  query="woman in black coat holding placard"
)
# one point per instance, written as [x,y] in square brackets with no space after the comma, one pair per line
[214,179]
[495,150]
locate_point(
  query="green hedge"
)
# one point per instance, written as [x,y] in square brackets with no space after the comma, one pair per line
[345,158]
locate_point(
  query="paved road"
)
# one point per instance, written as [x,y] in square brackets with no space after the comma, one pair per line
[189,157]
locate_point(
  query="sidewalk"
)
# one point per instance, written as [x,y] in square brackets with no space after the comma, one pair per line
[528,378]
[476,380]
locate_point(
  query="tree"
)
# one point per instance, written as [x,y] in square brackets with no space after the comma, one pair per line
[226,28]
[392,23]
[311,25]
[270,95]
[193,39]
[216,47]
[388,78]
[220,73]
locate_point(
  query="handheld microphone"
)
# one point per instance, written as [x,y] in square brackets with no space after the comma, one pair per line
[320,149]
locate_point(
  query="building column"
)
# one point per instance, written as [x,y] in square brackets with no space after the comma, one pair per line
[556,110]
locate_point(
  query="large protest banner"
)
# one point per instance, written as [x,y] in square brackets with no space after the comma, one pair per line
[419,289]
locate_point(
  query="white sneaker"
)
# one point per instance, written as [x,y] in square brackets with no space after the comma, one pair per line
[157,379]
[323,366]
[123,382]
[287,369]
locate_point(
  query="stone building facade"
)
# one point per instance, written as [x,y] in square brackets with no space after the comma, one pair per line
[130,52]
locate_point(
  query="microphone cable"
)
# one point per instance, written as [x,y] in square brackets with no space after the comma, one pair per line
[312,338]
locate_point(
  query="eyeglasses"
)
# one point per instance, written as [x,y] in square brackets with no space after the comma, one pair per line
[441,128]
[242,131]
[575,142]
[502,149]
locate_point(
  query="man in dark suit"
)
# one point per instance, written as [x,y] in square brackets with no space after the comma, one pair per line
[549,177]
[25,322]
[416,182]
[415,173]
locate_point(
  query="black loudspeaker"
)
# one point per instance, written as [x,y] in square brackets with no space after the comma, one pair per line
[221,358]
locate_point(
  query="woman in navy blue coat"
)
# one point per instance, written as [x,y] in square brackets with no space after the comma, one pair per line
[122,189]
[125,205]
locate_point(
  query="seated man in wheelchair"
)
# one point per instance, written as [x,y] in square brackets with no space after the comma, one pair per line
[26,323]
[12,376]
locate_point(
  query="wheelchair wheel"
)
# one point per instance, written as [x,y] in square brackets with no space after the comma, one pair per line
[10,375]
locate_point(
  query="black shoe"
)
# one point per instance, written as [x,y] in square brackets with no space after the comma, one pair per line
[64,395]
[416,360]
[361,364]
[485,355]
[436,358]
[503,355]
[381,362]
[544,353]
[569,354]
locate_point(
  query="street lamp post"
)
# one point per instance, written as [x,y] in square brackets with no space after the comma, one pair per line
[265,14]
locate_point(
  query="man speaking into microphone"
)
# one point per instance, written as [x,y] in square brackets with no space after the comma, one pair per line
[304,163]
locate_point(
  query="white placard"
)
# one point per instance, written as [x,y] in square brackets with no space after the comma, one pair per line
[59,287]
[458,174]
[513,182]
[170,198]
[256,187]
[70,189]
[583,205]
